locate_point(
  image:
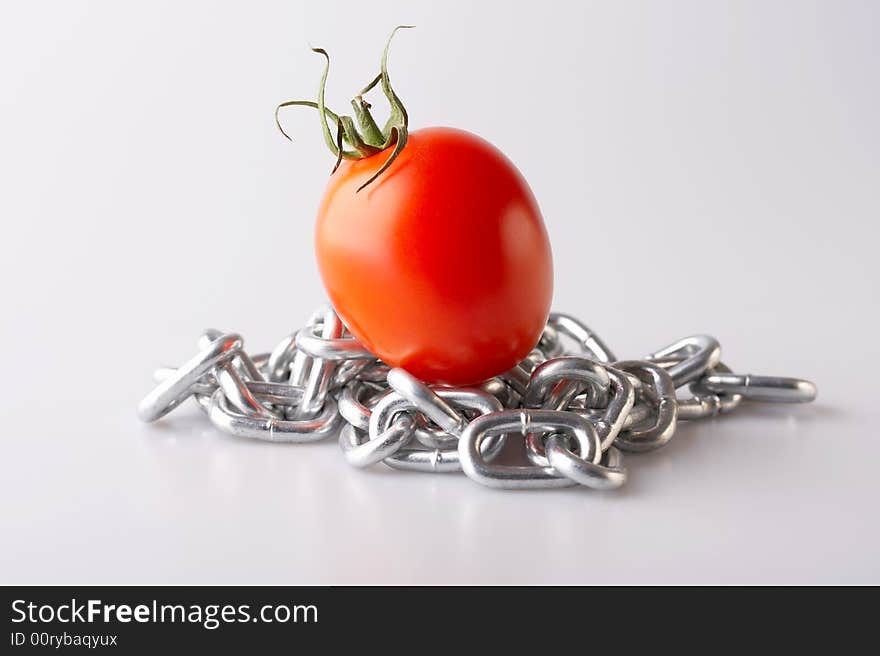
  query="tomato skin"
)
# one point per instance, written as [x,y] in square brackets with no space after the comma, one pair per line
[442,265]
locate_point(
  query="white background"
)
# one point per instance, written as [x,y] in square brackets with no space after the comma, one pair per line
[702,167]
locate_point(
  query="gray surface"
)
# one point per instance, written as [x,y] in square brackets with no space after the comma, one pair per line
[723,160]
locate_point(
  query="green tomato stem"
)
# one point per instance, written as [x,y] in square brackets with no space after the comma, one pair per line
[369,140]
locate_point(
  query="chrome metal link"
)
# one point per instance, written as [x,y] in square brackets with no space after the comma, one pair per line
[321,371]
[362,449]
[597,475]
[706,403]
[325,348]
[658,390]
[438,405]
[524,422]
[175,389]
[772,389]
[554,383]
[272,429]
[589,343]
[691,357]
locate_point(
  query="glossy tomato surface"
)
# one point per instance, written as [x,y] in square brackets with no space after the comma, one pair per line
[442,265]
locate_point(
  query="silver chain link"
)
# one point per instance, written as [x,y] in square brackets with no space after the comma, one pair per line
[573,405]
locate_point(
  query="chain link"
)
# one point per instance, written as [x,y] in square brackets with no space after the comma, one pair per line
[573,405]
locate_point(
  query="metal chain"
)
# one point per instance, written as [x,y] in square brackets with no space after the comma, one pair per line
[559,418]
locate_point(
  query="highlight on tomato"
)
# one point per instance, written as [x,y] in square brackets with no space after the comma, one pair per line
[430,243]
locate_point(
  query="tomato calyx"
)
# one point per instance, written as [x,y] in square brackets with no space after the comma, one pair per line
[369,139]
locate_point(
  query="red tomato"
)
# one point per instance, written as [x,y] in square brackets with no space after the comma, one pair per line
[442,265]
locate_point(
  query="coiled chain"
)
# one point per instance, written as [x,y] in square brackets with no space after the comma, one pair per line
[561,417]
